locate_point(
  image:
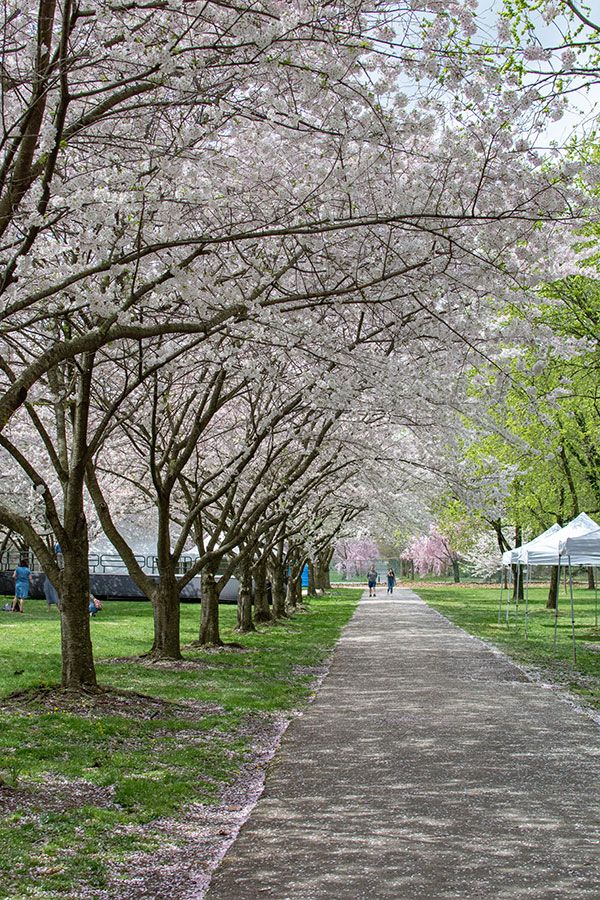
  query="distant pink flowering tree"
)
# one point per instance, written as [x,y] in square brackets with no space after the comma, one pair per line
[353,556]
[433,553]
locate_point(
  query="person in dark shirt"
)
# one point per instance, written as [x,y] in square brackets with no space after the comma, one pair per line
[372,581]
[391,581]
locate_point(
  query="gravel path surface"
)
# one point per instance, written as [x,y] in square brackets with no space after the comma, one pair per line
[428,766]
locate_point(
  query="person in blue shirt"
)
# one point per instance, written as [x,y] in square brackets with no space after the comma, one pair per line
[22,576]
[94,605]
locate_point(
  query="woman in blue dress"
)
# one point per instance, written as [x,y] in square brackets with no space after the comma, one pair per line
[22,576]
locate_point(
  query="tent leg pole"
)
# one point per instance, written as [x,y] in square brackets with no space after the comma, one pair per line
[526,602]
[517,586]
[510,583]
[572,612]
[556,606]
[595,598]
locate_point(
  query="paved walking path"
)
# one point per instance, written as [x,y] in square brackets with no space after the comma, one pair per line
[428,766]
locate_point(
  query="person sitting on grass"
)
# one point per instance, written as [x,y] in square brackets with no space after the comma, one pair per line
[51,594]
[22,576]
[94,605]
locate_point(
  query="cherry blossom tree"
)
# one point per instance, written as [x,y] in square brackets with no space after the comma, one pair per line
[433,553]
[353,556]
[484,556]
[189,175]
[110,209]
[551,44]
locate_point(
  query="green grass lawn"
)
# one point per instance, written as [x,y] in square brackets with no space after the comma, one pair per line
[476,610]
[125,763]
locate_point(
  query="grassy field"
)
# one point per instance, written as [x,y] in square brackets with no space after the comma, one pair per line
[78,778]
[476,610]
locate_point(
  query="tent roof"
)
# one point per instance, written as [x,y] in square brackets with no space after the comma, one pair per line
[587,545]
[547,551]
[518,555]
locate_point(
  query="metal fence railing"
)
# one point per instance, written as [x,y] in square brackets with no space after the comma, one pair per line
[98,563]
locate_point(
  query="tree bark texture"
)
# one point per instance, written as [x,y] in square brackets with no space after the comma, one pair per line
[323,578]
[262,612]
[209,624]
[456,571]
[291,594]
[517,571]
[244,605]
[554,576]
[167,615]
[278,588]
[518,577]
[312,582]
[165,597]
[78,669]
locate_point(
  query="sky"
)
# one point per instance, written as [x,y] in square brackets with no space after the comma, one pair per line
[584,105]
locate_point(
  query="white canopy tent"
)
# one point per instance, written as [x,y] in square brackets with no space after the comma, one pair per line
[583,545]
[519,554]
[548,552]
[518,557]
[551,548]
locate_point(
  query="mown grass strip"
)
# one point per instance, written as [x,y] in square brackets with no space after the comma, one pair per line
[78,784]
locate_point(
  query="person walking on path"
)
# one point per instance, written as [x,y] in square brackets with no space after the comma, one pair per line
[372,581]
[391,581]
[22,576]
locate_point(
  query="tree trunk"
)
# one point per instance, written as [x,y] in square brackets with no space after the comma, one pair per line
[591,578]
[323,580]
[319,576]
[78,671]
[456,571]
[262,613]
[209,624]
[165,602]
[77,658]
[298,584]
[312,583]
[165,597]
[554,576]
[518,572]
[291,594]
[278,588]
[327,566]
[244,604]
